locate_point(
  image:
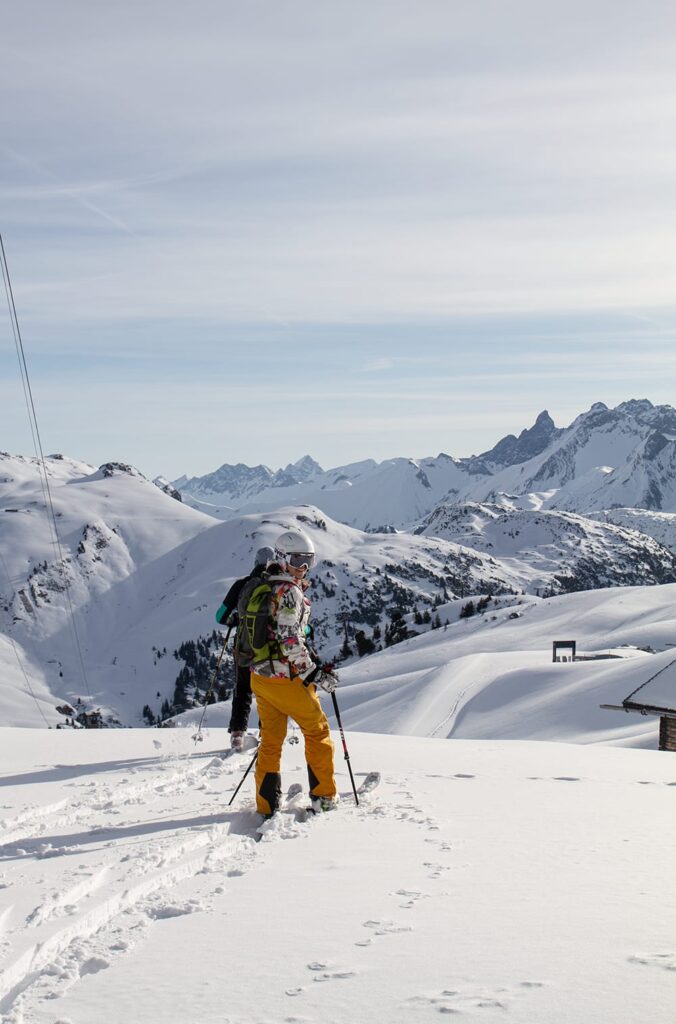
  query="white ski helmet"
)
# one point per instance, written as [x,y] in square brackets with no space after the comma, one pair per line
[295,549]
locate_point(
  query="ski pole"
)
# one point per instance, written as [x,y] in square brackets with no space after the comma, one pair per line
[241,781]
[342,736]
[198,735]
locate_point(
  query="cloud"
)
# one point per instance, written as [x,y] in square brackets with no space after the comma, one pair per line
[416,205]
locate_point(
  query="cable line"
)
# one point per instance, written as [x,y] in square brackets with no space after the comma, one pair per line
[39,453]
[16,653]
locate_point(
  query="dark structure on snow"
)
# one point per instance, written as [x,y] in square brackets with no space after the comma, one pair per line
[657,696]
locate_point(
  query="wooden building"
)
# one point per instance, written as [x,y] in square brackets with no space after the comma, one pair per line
[657,696]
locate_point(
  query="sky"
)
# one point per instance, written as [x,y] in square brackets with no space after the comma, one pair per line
[247,232]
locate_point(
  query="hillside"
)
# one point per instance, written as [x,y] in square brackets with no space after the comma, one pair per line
[491,676]
[556,552]
[146,574]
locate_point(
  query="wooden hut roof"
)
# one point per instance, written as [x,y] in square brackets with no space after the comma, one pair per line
[657,694]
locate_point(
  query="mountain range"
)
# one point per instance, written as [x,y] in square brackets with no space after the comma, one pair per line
[112,612]
[606,459]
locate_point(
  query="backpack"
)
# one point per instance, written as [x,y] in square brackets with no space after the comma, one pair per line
[255,637]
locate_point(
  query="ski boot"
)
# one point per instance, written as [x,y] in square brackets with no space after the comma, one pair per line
[320,804]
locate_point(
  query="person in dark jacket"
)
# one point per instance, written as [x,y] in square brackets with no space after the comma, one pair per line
[227,615]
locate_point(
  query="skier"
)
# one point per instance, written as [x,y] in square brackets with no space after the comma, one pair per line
[286,678]
[227,615]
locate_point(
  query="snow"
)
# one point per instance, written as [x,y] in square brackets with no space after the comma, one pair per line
[604,459]
[516,860]
[491,676]
[658,691]
[525,879]
[146,573]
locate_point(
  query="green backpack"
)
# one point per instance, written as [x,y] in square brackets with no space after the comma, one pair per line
[255,636]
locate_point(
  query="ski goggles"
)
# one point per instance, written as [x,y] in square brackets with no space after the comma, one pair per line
[300,559]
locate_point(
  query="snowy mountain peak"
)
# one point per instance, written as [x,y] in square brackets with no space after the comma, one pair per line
[607,458]
[305,467]
[297,472]
[635,406]
[530,442]
[109,469]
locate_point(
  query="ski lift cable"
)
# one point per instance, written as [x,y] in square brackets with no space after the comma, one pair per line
[18,658]
[37,441]
[17,344]
[25,383]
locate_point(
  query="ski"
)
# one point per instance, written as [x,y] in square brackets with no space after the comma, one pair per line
[289,803]
[250,744]
[369,783]
[293,792]
[295,800]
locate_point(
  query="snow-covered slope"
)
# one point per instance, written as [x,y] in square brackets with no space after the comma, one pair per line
[661,526]
[75,606]
[130,615]
[146,574]
[366,495]
[485,880]
[491,675]
[554,551]
[622,457]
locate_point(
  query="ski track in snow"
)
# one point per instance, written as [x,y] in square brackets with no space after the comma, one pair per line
[155,834]
[99,911]
[115,880]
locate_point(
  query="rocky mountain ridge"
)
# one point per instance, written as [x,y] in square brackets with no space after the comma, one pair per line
[606,459]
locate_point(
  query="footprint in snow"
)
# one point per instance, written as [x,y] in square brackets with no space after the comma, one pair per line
[666,961]
[468,998]
[435,869]
[93,965]
[387,927]
[412,896]
[443,846]
[323,971]
[167,910]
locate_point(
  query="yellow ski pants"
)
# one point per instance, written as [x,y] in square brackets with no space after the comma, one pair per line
[277,701]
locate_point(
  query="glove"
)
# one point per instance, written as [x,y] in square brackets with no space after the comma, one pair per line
[328,681]
[324,677]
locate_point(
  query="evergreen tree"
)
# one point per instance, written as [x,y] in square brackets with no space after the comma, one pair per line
[396,631]
[364,644]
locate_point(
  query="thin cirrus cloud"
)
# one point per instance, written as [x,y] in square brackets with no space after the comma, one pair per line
[454,196]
